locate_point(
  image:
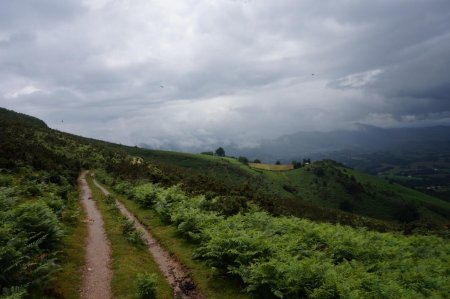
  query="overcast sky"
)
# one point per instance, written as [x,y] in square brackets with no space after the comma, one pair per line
[208,72]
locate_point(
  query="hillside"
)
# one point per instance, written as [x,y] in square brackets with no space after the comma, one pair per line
[302,191]
[215,215]
[200,195]
[324,191]
[414,157]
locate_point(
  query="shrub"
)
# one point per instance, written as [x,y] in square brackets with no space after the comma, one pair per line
[146,286]
[13,293]
[6,181]
[123,188]
[110,200]
[130,232]
[145,195]
[166,199]
[243,160]
[229,205]
[38,221]
[191,219]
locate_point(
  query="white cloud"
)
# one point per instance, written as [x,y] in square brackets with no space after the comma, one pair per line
[23,91]
[359,80]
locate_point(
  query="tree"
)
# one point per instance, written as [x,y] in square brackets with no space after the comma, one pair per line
[243,160]
[220,152]
[256,161]
[277,163]
[296,164]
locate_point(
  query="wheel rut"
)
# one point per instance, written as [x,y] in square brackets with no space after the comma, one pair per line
[97,274]
[177,275]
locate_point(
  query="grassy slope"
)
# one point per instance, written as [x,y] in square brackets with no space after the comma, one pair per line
[127,259]
[211,285]
[378,199]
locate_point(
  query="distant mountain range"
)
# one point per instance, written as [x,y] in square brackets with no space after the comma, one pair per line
[364,139]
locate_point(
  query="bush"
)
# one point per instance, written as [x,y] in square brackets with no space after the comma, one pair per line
[146,286]
[166,199]
[38,221]
[243,160]
[130,232]
[25,240]
[6,181]
[13,293]
[145,195]
[191,219]
[229,205]
[123,188]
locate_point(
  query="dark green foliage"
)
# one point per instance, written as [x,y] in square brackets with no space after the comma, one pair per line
[296,164]
[294,258]
[146,286]
[144,195]
[12,118]
[39,222]
[208,153]
[407,212]
[282,257]
[289,188]
[345,205]
[30,235]
[227,205]
[110,200]
[243,160]
[130,232]
[256,161]
[278,162]
[220,152]
[14,293]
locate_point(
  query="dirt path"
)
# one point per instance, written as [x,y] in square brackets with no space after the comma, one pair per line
[97,272]
[174,272]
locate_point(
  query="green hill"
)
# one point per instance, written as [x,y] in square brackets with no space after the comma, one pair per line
[322,184]
[216,212]
[324,190]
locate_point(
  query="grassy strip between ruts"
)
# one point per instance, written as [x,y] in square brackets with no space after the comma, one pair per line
[127,259]
[68,281]
[213,286]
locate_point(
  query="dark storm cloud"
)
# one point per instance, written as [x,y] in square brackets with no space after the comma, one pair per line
[199,73]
